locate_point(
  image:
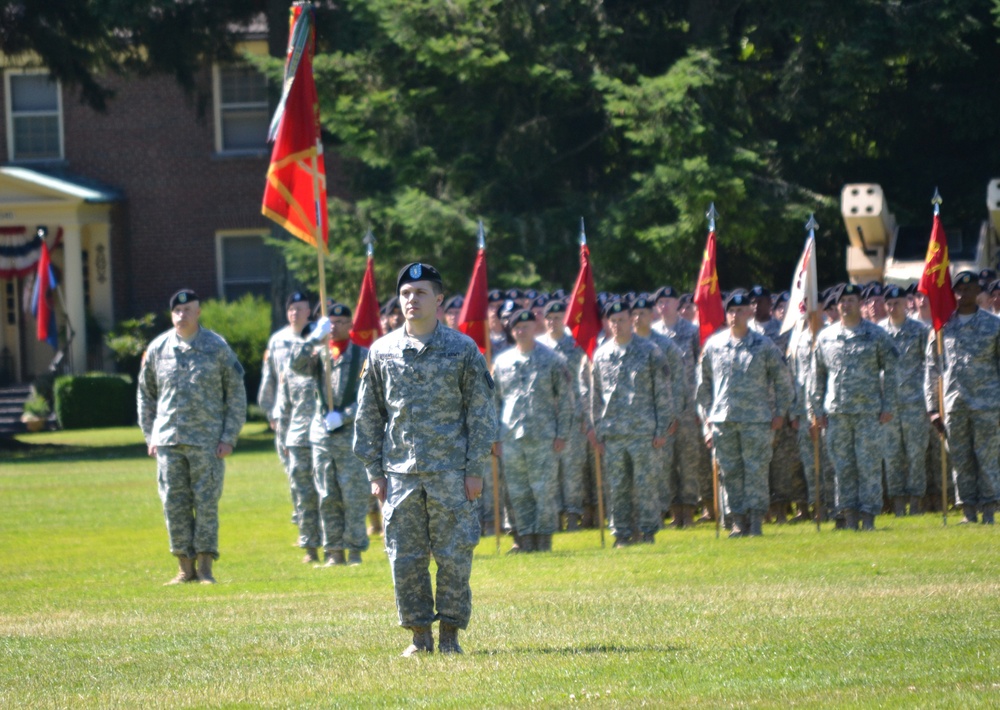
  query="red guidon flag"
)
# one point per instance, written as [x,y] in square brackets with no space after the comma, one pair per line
[295,193]
[583,317]
[367,327]
[473,320]
[935,283]
[707,297]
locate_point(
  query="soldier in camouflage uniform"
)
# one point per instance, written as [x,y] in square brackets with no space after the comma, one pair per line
[642,322]
[633,414]
[907,436]
[737,366]
[338,478]
[425,425]
[573,458]
[533,388]
[852,394]
[192,405]
[691,468]
[971,374]
[275,361]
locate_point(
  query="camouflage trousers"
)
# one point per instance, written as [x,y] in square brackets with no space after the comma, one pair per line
[854,442]
[286,467]
[974,445]
[343,491]
[572,463]
[189,479]
[785,475]
[305,495]
[633,468]
[807,453]
[425,515]
[531,473]
[685,461]
[906,439]
[486,507]
[743,450]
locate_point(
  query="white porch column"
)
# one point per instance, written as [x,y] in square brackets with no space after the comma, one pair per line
[73,290]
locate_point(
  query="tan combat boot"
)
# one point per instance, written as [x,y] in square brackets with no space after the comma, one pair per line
[423,642]
[205,568]
[185,572]
[312,556]
[353,558]
[448,639]
[335,558]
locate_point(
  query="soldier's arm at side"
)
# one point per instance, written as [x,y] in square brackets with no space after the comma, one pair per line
[663,398]
[268,385]
[147,395]
[479,408]
[235,395]
[816,388]
[889,361]
[562,389]
[781,376]
[370,422]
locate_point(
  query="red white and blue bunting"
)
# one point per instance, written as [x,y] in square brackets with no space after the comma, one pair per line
[20,250]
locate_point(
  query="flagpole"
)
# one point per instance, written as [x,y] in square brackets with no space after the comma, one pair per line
[812,226]
[598,475]
[495,459]
[320,248]
[936,201]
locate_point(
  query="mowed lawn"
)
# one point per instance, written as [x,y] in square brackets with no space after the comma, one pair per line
[908,616]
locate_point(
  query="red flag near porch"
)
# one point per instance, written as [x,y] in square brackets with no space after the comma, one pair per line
[473,319]
[707,297]
[935,283]
[295,193]
[45,315]
[582,317]
[367,327]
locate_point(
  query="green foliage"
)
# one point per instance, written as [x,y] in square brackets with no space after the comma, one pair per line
[128,340]
[94,400]
[246,326]
[37,406]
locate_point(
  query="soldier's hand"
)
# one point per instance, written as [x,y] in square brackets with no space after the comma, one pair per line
[497,449]
[659,442]
[473,487]
[777,423]
[223,450]
[884,417]
[273,423]
[822,422]
[938,423]
[379,489]
[558,445]
[151,450]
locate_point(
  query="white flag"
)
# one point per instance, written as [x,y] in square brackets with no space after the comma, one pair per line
[804,298]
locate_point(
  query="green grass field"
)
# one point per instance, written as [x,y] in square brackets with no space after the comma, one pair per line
[908,616]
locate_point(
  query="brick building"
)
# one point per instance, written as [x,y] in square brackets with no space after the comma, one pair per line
[153,195]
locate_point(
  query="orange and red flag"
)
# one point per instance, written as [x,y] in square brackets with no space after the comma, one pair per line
[295,193]
[707,297]
[583,317]
[935,283]
[474,319]
[367,327]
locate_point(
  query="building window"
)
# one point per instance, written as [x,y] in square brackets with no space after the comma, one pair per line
[34,116]
[244,266]
[241,111]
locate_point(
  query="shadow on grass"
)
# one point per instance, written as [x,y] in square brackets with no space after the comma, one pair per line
[592,649]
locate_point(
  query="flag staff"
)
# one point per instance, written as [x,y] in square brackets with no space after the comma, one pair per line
[598,476]
[811,226]
[712,214]
[936,201]
[495,457]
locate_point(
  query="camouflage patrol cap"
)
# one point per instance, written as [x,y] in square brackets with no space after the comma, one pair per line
[966,277]
[738,297]
[417,271]
[613,306]
[555,307]
[295,297]
[185,295]
[848,290]
[894,291]
[665,292]
[455,302]
[338,309]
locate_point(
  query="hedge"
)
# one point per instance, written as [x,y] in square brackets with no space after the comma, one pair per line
[94,400]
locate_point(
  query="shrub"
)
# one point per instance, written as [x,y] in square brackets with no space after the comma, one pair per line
[128,340]
[94,400]
[246,326]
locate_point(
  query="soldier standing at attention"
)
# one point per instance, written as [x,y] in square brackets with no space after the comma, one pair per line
[971,373]
[340,490]
[633,413]
[192,405]
[852,394]
[533,388]
[908,435]
[738,367]
[275,361]
[424,428]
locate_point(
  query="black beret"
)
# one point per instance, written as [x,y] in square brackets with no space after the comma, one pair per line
[685,299]
[514,294]
[665,292]
[495,296]
[965,277]
[559,293]
[629,298]
[848,290]
[782,297]
[993,286]
[614,305]
[338,309]
[506,308]
[758,292]
[642,301]
[417,272]
[894,291]
[531,294]
[874,290]
[911,290]
[391,305]
[455,301]
[521,316]
[986,276]
[540,302]
[738,297]
[296,297]
[555,307]
[185,295]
